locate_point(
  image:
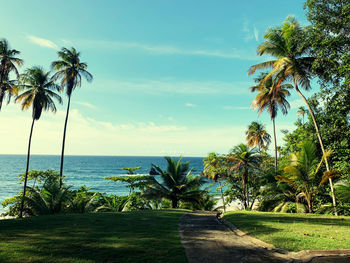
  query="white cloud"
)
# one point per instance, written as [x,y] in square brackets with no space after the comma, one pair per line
[42,42]
[256,34]
[85,104]
[190,105]
[231,53]
[89,136]
[250,33]
[235,108]
[157,87]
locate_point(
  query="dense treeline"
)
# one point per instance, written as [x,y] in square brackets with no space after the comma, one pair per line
[316,153]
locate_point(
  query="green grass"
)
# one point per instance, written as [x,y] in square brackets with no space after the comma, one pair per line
[294,232]
[139,236]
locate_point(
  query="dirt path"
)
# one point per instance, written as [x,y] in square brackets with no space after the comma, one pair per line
[206,240]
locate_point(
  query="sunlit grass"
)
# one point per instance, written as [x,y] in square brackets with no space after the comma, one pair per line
[294,232]
[139,236]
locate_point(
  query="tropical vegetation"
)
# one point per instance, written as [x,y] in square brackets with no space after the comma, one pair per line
[308,173]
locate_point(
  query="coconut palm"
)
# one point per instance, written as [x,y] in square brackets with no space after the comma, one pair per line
[215,169]
[39,94]
[70,70]
[292,62]
[301,112]
[303,173]
[8,63]
[175,183]
[242,160]
[271,97]
[257,136]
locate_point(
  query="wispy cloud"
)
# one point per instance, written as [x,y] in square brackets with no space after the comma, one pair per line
[158,87]
[85,104]
[230,53]
[235,108]
[250,32]
[256,34]
[190,105]
[42,42]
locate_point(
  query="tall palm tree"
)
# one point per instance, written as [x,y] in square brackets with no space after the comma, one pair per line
[242,160]
[175,183]
[257,136]
[303,174]
[292,62]
[302,112]
[70,70]
[271,97]
[215,169]
[8,63]
[39,92]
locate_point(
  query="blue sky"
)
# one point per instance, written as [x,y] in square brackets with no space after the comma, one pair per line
[170,77]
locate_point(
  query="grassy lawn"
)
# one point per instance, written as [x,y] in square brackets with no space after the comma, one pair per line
[140,236]
[294,232]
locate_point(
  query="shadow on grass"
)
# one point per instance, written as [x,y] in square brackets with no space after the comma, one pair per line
[105,237]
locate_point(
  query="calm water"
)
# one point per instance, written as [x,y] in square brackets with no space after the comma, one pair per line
[80,170]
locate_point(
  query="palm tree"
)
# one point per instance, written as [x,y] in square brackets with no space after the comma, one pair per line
[175,183]
[39,94]
[8,63]
[301,112]
[257,136]
[70,70]
[303,173]
[271,97]
[215,169]
[291,62]
[243,160]
[49,199]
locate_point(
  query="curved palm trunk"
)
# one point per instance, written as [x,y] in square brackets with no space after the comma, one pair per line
[64,140]
[26,174]
[275,139]
[222,197]
[321,144]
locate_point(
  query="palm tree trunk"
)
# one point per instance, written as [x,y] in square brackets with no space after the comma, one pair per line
[27,168]
[174,202]
[321,144]
[275,139]
[2,90]
[2,95]
[222,197]
[244,185]
[64,140]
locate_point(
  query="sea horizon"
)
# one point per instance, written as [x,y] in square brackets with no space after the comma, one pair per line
[81,170]
[92,155]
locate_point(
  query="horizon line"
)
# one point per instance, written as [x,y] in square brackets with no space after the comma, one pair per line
[88,155]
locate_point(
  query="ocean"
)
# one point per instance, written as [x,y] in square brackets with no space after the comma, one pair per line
[81,170]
